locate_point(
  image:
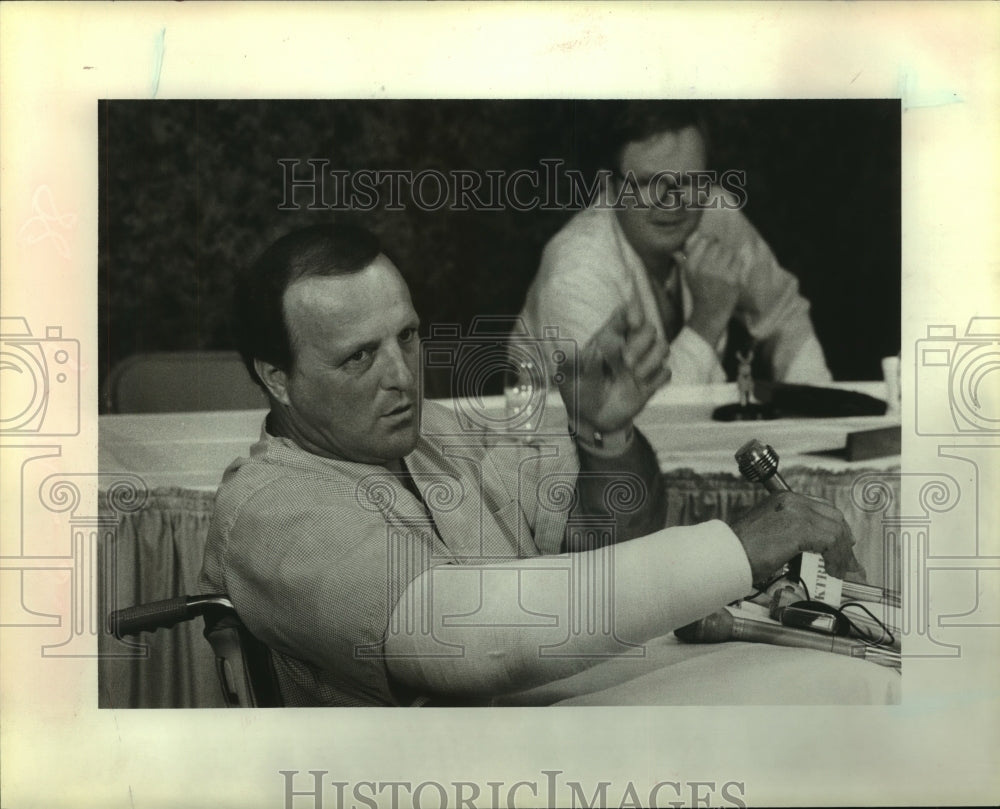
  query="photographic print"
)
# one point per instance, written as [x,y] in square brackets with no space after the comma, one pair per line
[585,320]
[465,195]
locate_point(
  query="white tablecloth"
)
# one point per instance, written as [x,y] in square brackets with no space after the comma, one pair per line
[191,450]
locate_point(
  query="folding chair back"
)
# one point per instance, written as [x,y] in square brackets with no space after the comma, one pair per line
[180,381]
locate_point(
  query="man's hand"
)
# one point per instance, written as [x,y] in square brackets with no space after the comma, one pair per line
[786,524]
[618,369]
[714,276]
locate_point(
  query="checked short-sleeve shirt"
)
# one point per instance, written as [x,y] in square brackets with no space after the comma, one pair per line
[315,552]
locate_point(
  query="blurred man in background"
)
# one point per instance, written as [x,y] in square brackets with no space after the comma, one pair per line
[662,239]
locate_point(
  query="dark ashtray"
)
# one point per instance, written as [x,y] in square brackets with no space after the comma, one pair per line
[748,412]
[817,402]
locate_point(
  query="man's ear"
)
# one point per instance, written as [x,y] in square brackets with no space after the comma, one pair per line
[274,379]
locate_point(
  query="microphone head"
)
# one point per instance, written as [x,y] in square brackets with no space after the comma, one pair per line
[757,462]
[715,628]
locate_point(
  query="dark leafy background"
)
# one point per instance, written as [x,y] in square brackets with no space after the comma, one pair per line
[191,190]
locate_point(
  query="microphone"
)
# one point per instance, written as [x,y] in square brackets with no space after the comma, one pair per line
[759,463]
[723,626]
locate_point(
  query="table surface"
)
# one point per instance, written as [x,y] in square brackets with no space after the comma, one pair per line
[191,450]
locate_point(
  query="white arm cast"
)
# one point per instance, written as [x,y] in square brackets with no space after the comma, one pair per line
[494,628]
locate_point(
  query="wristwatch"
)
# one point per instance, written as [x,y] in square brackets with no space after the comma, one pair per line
[606,443]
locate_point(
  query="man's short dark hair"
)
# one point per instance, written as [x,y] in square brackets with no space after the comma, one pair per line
[259,323]
[635,121]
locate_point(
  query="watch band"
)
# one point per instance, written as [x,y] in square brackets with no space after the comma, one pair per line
[607,443]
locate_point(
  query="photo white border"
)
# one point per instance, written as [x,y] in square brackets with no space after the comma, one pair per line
[58,59]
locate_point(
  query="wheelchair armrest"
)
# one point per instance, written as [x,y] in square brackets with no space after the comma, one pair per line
[163,614]
[243,664]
